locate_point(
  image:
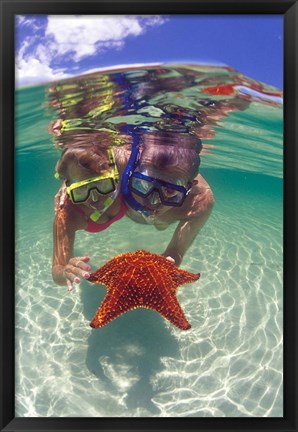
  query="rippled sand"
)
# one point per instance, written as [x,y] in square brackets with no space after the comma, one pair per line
[229,364]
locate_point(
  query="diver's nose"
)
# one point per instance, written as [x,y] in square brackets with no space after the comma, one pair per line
[154,198]
[94,195]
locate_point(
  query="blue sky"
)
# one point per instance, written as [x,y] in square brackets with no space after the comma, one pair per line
[55,47]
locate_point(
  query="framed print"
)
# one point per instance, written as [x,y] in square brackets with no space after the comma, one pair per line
[148,215]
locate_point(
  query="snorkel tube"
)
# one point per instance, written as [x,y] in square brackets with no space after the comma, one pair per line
[130,167]
[107,203]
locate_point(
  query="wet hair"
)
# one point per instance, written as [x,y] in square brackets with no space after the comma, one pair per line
[96,160]
[166,151]
[87,149]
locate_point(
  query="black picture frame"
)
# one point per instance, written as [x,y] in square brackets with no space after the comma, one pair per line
[10,8]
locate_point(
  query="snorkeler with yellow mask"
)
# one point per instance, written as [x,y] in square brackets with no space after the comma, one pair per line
[92,203]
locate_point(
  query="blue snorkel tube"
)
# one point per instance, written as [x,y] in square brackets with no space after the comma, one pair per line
[129,169]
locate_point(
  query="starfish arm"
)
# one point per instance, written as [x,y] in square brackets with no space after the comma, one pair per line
[107,312]
[118,300]
[183,277]
[172,311]
[161,297]
[117,265]
[103,274]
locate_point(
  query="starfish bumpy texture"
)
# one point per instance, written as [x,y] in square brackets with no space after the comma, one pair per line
[141,280]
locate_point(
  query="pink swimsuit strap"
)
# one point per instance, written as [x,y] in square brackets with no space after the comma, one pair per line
[94,227]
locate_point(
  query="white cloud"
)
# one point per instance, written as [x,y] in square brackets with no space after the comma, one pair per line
[86,35]
[33,71]
[73,38]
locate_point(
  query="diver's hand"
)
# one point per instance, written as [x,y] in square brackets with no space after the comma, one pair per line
[76,268]
[170,259]
[172,256]
[60,197]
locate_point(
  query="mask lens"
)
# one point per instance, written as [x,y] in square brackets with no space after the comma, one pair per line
[171,195]
[141,186]
[80,193]
[105,186]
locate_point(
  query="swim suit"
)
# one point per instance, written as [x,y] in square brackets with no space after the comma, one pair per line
[94,227]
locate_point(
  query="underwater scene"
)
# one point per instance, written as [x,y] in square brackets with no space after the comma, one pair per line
[229,363]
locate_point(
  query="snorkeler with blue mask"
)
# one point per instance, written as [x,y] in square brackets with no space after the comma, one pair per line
[154,188]
[161,185]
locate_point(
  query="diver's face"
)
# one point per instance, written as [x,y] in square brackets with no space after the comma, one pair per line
[171,175]
[94,200]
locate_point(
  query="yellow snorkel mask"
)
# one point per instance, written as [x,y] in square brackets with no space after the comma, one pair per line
[105,184]
[79,192]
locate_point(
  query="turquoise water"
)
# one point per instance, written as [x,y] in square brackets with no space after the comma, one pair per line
[229,364]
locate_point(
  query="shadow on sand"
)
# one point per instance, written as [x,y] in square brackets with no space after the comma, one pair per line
[126,353]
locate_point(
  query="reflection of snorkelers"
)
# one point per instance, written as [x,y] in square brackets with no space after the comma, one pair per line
[91,202]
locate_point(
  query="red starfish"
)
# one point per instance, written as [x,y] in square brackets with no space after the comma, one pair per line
[141,279]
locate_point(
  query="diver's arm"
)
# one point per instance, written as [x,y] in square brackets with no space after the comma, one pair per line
[66,269]
[188,229]
[63,239]
[60,197]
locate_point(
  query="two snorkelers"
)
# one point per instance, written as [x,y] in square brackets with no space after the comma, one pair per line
[159,185]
